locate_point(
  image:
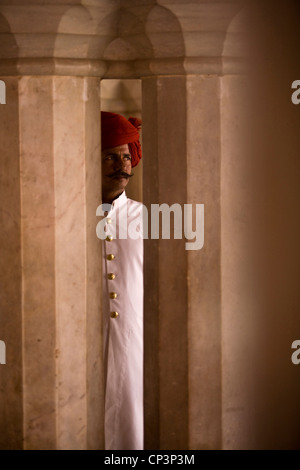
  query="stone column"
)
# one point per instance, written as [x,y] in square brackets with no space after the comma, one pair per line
[182,149]
[50,264]
[239,301]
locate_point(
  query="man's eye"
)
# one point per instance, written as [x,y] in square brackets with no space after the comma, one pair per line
[127,157]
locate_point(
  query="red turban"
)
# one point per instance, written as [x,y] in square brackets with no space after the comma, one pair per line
[117,130]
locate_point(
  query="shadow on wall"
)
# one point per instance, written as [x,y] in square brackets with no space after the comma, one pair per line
[8,45]
[122,96]
[276,227]
[137,35]
[11,407]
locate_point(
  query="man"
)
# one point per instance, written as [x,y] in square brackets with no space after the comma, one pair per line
[122,286]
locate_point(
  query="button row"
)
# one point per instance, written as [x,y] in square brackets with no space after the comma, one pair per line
[111,276]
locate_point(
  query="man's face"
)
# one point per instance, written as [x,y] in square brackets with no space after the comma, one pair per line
[116,164]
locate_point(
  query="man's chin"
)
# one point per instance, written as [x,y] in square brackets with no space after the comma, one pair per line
[120,178]
[121,182]
[116,184]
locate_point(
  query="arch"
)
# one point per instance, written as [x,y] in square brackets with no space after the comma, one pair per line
[129,41]
[140,35]
[74,33]
[9,48]
[234,43]
[165,33]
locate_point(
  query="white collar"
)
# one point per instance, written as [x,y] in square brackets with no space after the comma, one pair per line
[119,201]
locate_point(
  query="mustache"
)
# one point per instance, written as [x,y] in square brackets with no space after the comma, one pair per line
[120,173]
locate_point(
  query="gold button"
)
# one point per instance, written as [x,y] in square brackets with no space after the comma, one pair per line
[111,276]
[114,314]
[113,295]
[110,257]
[109,238]
[108,220]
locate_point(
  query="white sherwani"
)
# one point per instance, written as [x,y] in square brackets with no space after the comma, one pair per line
[123,327]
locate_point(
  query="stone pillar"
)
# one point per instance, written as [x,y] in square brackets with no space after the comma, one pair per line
[50,264]
[238,299]
[182,149]
[11,404]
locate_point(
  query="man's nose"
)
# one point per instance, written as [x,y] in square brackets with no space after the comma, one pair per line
[120,163]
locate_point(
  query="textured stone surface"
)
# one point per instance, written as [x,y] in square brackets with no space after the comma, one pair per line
[54,246]
[204,288]
[238,304]
[107,35]
[166,371]
[11,408]
[38,273]
[183,306]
